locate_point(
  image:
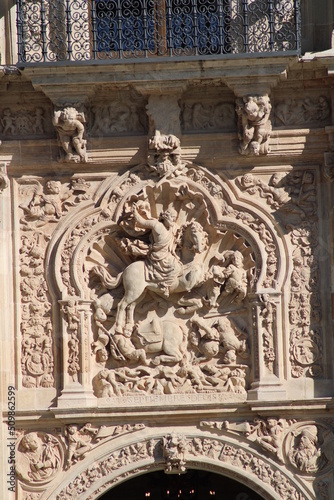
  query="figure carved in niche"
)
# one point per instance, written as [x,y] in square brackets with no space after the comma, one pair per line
[306,453]
[39,457]
[254,126]
[228,278]
[69,124]
[147,273]
[162,271]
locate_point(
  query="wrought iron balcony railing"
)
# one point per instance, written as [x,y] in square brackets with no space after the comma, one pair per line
[83,30]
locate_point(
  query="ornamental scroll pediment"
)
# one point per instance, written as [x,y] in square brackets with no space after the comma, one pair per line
[166,264]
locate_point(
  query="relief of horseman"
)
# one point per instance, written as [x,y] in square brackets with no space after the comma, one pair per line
[162,271]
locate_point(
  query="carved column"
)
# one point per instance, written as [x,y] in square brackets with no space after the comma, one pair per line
[267,351]
[75,327]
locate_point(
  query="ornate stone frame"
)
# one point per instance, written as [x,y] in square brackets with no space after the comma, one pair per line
[88,480]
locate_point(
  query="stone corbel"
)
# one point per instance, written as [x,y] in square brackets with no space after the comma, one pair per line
[254,124]
[253,107]
[164,146]
[70,123]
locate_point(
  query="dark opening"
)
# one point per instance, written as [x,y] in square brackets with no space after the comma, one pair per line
[194,485]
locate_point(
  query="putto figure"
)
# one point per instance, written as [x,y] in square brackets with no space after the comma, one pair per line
[254,125]
[69,124]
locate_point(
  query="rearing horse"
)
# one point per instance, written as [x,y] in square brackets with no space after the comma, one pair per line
[135,282]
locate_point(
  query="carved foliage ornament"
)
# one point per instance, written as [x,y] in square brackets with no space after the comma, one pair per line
[307,447]
[176,453]
[42,206]
[292,197]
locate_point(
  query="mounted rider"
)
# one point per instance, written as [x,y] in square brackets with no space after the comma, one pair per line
[162,265]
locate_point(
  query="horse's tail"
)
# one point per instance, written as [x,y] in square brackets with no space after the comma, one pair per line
[108,281]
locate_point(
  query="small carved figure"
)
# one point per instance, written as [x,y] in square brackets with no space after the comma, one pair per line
[254,124]
[220,337]
[270,435]
[38,126]
[8,122]
[127,348]
[69,124]
[78,442]
[232,277]
[165,156]
[108,385]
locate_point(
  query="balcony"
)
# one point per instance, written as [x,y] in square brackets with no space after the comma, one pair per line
[77,31]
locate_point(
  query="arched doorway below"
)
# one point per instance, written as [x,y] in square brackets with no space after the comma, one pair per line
[193,485]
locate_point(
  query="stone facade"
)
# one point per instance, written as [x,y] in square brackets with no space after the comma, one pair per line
[166,265]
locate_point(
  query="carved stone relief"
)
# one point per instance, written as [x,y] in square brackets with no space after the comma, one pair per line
[42,205]
[164,262]
[307,446]
[70,127]
[302,111]
[293,199]
[254,125]
[25,123]
[40,458]
[176,453]
[208,116]
[185,268]
[122,116]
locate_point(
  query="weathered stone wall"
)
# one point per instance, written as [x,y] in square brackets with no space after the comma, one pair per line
[166,240]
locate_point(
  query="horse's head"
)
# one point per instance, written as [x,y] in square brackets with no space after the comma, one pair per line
[198,237]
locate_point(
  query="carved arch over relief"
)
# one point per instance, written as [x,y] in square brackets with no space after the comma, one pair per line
[169,264]
[176,452]
[225,210]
